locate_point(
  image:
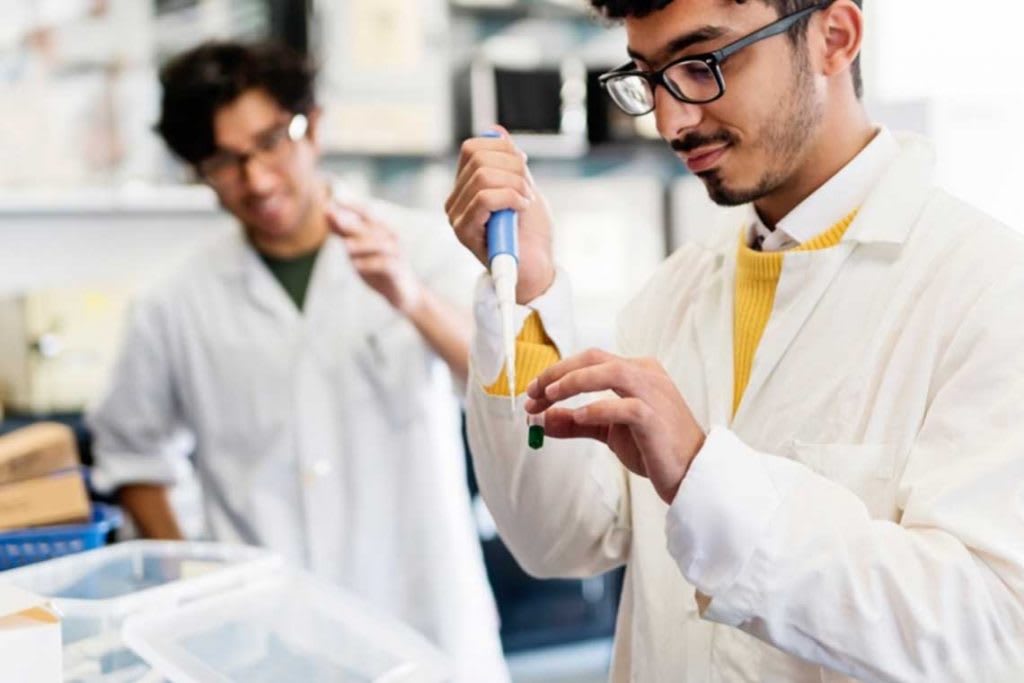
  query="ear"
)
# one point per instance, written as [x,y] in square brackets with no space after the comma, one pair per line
[842,26]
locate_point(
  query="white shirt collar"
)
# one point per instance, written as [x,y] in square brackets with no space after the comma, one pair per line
[832,202]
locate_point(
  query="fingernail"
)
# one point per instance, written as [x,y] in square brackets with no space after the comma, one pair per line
[552,390]
[531,388]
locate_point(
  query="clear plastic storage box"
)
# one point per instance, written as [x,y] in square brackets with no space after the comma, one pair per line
[288,627]
[97,590]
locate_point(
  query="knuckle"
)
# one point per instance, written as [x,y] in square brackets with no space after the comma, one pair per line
[488,178]
[639,410]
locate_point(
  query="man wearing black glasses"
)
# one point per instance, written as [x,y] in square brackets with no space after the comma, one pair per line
[808,449]
[306,360]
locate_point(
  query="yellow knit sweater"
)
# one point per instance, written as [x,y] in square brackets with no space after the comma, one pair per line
[535,352]
[757,274]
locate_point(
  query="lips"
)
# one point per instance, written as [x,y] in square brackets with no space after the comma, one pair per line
[267,208]
[703,160]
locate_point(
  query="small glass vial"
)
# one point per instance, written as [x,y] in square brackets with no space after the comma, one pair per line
[535,434]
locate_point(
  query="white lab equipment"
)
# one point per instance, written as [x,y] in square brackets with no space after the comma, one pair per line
[97,590]
[288,627]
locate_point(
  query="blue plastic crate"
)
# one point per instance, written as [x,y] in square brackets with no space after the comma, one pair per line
[18,548]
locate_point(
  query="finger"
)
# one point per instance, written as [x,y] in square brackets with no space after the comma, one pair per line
[496,161]
[484,178]
[537,387]
[499,160]
[559,424]
[488,179]
[476,214]
[346,222]
[365,211]
[373,265]
[631,412]
[360,249]
[473,146]
[617,374]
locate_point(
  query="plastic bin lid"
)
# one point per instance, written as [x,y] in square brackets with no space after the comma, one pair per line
[124,577]
[288,627]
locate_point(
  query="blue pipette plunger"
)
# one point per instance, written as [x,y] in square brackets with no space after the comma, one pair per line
[503,263]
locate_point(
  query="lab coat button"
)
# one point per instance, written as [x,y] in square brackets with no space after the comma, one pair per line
[317,470]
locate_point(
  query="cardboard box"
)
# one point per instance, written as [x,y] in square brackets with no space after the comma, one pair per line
[36,451]
[57,499]
[30,641]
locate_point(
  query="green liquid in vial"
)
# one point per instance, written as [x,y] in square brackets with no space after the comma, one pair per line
[536,437]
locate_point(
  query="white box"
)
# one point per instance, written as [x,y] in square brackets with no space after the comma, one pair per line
[30,642]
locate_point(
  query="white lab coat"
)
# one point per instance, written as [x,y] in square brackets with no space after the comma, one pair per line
[331,436]
[861,515]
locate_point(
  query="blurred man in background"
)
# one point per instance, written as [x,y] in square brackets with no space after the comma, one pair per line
[309,358]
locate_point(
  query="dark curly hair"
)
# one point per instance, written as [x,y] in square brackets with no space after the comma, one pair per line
[205,78]
[622,9]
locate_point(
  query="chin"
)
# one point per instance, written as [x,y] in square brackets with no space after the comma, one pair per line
[726,192]
[270,232]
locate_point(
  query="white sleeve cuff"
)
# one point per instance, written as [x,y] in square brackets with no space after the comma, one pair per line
[723,509]
[112,471]
[554,307]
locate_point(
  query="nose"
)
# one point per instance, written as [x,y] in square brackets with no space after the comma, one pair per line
[673,117]
[258,176]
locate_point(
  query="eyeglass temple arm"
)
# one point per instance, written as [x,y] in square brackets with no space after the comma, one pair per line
[768,31]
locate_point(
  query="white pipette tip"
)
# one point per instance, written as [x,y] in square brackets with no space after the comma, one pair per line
[504,272]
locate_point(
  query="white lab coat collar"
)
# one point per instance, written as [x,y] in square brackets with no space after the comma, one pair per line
[891,209]
[842,193]
[240,259]
[888,210]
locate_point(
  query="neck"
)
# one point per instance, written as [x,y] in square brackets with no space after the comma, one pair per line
[843,135]
[310,235]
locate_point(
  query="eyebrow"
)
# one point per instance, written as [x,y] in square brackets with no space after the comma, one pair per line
[680,43]
[258,137]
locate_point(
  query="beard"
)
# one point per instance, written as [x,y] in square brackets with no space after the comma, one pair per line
[783,139]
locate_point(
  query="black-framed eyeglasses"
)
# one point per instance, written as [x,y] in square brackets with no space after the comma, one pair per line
[271,148]
[696,79]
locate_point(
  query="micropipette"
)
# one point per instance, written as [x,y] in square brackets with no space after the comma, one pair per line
[503,260]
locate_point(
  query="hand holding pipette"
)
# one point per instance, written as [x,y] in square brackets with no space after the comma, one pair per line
[503,261]
[493,179]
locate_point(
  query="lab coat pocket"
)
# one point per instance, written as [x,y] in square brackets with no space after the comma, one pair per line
[392,364]
[868,470]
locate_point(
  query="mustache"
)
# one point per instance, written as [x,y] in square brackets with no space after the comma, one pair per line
[692,141]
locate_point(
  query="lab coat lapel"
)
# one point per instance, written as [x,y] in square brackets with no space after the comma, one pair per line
[263,289]
[805,278]
[330,292]
[713,328]
[887,217]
